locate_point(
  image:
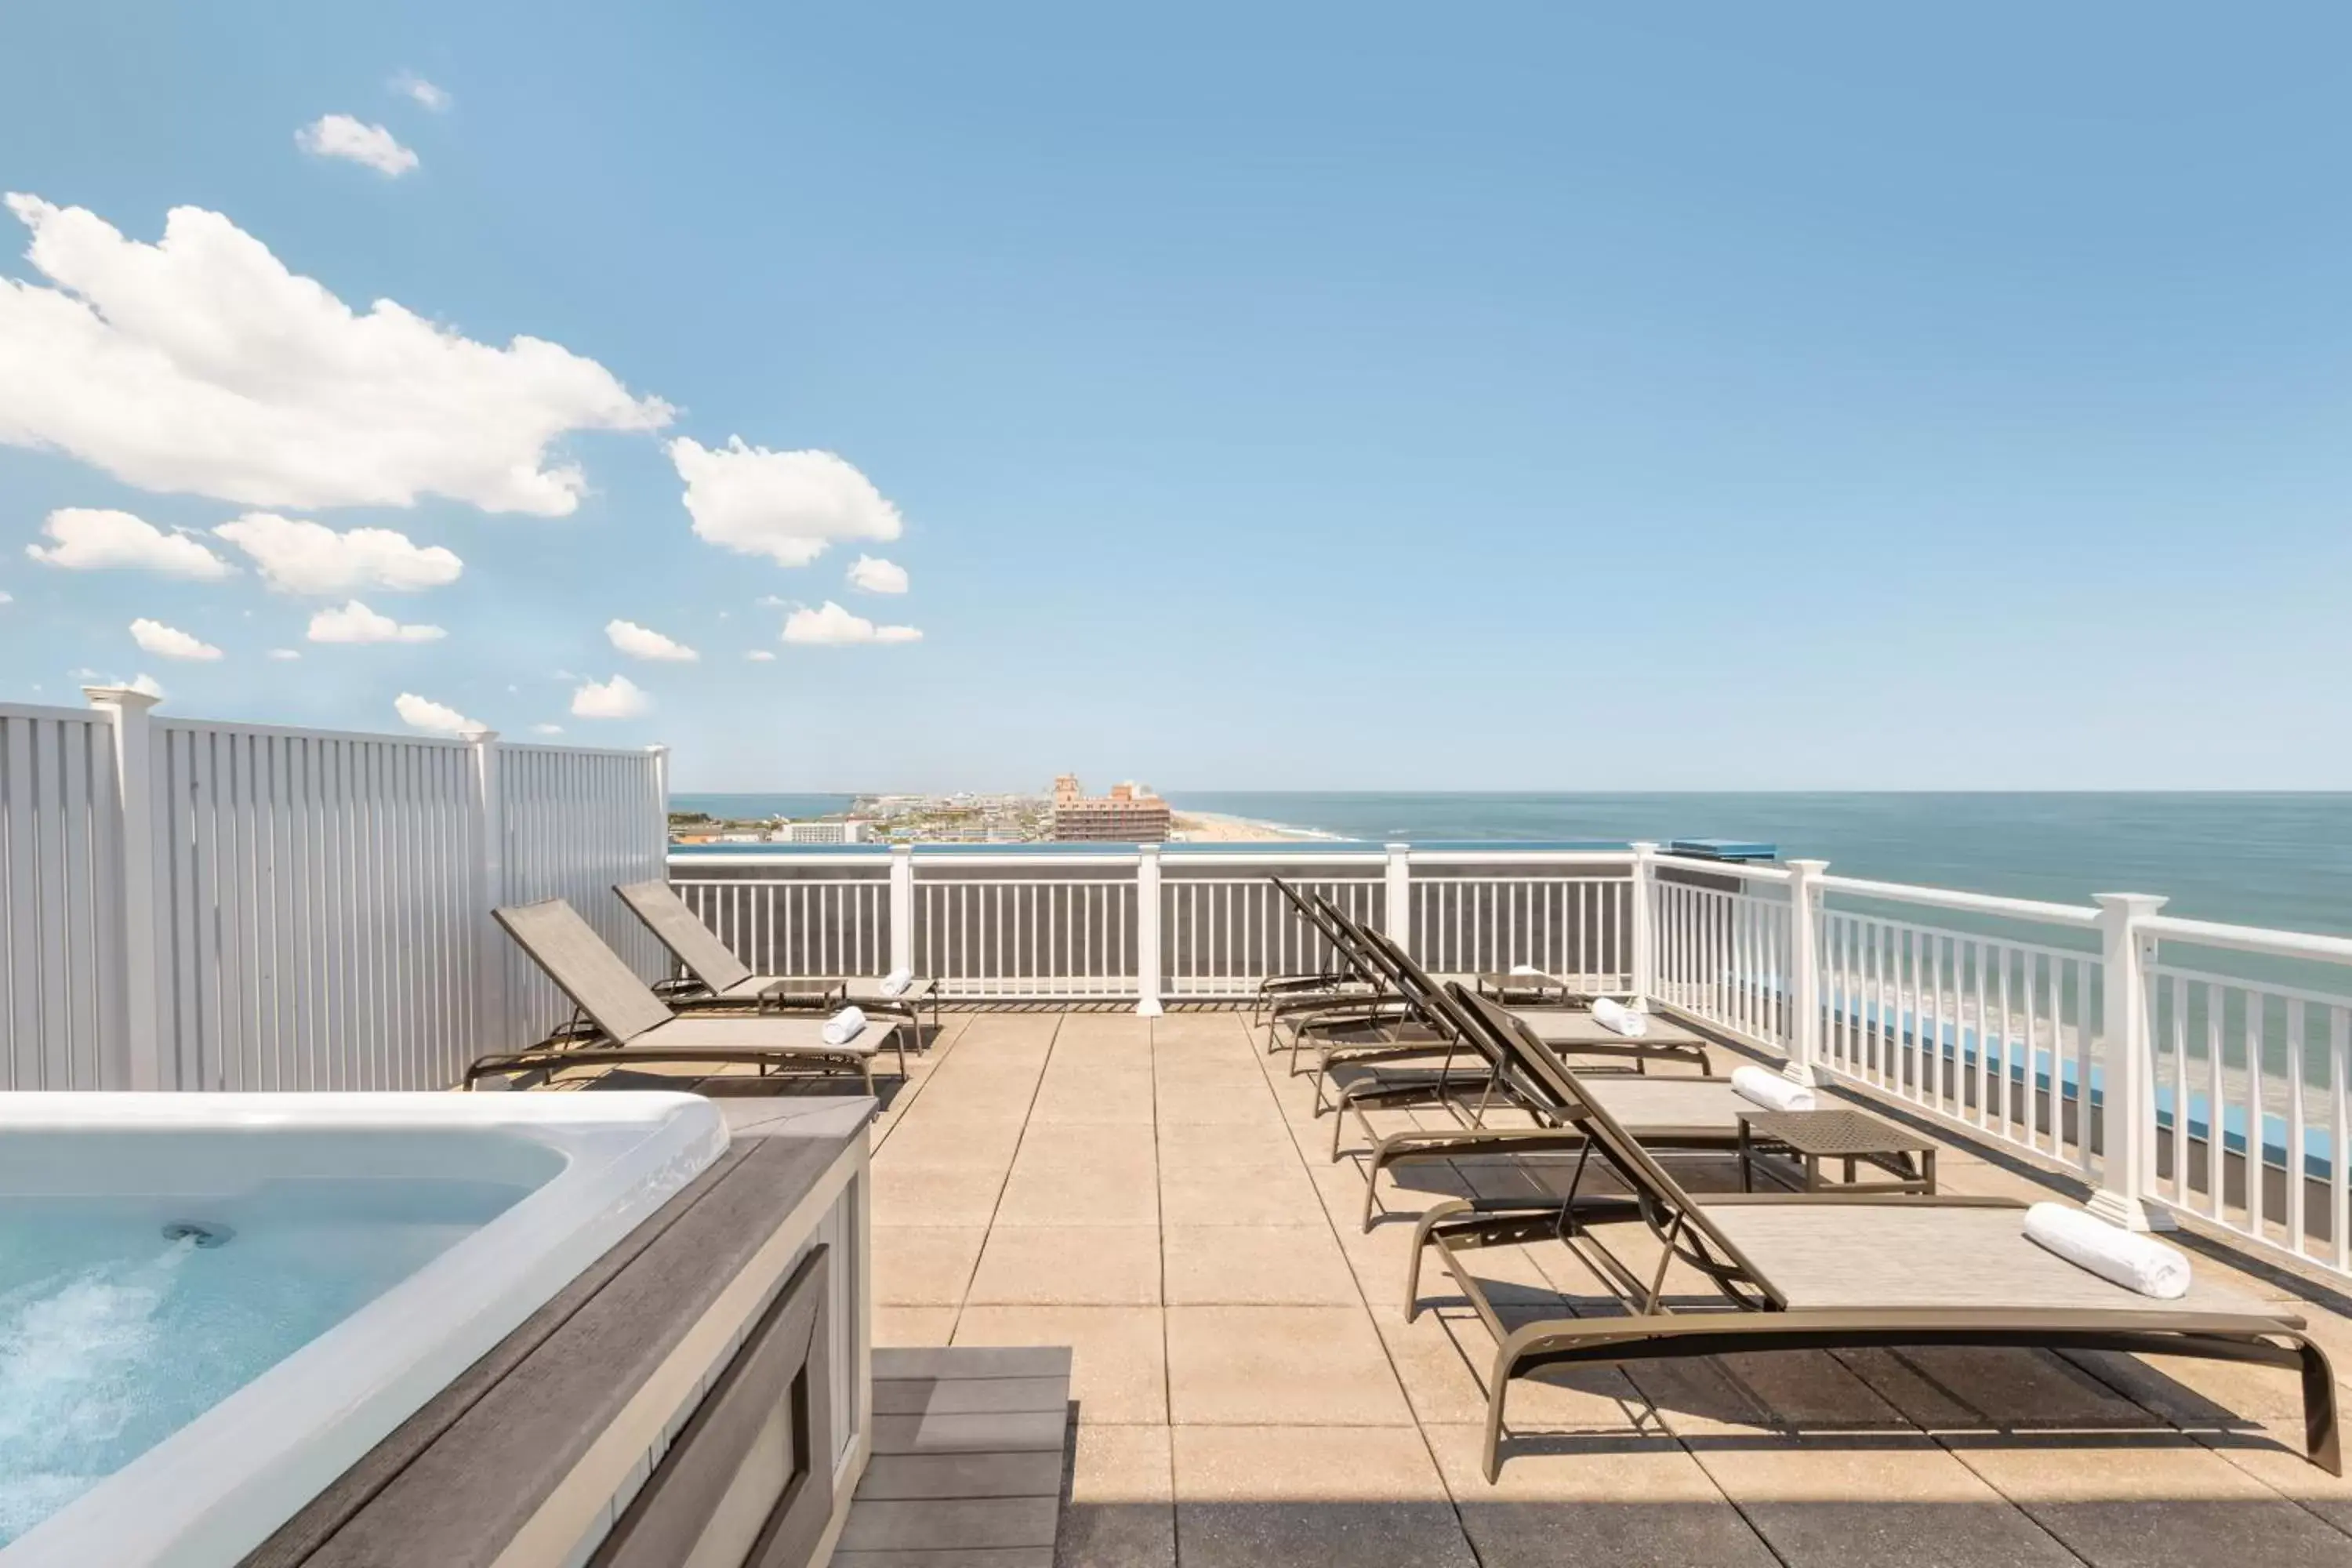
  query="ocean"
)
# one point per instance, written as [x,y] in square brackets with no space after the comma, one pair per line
[2271,859]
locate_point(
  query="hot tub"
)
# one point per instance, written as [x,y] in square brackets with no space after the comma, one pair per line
[212,1304]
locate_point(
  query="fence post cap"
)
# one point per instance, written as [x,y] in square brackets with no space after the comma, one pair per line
[2131,905]
[129,697]
[1644,846]
[479,735]
[1807,868]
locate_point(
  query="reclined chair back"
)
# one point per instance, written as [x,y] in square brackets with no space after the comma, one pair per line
[1679,1223]
[681,931]
[1318,912]
[584,969]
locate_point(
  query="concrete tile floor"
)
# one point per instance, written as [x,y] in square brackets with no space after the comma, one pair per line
[1157,1194]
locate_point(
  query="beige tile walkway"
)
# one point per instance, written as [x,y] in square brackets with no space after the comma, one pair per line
[1156,1195]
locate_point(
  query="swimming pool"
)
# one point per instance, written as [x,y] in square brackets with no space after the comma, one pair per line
[212,1305]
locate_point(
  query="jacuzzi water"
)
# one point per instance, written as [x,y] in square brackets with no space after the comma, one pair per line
[211,1305]
[112,1338]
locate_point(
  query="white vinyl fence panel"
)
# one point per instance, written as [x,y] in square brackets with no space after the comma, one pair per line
[314,904]
[286,908]
[61,843]
[577,823]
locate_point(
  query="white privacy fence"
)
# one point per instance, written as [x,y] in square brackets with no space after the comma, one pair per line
[289,909]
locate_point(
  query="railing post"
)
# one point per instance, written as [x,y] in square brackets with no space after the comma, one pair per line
[1644,921]
[2127,1121]
[902,906]
[1147,931]
[1397,912]
[141,1062]
[1805,980]
[490,1010]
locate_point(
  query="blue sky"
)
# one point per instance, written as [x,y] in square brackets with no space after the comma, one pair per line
[1253,397]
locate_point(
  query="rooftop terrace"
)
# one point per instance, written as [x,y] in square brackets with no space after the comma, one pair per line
[1155,1194]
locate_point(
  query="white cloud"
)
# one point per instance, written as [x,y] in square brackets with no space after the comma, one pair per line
[297,556]
[284,653]
[785,505]
[619,697]
[147,683]
[7,598]
[202,364]
[356,623]
[427,714]
[410,85]
[89,540]
[340,136]
[759,655]
[170,642]
[643,642]
[876,576]
[832,623]
[547,728]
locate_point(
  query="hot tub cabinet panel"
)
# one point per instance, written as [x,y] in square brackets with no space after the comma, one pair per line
[701,1396]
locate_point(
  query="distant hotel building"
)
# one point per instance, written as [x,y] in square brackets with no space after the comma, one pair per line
[1129,813]
[824,832]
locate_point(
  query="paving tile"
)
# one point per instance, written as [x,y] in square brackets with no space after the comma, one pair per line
[2010,1388]
[1122,1507]
[1118,1365]
[2125,1502]
[1445,1357]
[1101,1266]
[1279,1365]
[1204,1146]
[1186,1099]
[933,1197]
[1238,1196]
[1086,1148]
[2272,1454]
[913,1325]
[1585,1499]
[1350,1498]
[924,1265]
[923,1142]
[1046,1195]
[1240,1264]
[1122,1099]
[1841,1499]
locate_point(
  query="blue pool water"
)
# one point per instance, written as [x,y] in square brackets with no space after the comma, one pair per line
[113,1336]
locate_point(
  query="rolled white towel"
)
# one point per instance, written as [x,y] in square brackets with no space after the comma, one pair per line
[844,1026]
[1614,1014]
[1770,1090]
[1528,969]
[895,984]
[2135,1262]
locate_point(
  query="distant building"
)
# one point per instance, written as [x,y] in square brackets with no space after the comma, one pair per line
[1129,813]
[832,832]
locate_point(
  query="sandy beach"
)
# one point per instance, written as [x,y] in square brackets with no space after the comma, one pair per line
[1210,827]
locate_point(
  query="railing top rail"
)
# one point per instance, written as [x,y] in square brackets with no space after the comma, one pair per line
[2242,982]
[2250,939]
[1525,855]
[39,710]
[1755,870]
[297,732]
[2077,916]
[633,753]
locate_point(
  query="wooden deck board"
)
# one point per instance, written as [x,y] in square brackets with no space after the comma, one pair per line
[968,1460]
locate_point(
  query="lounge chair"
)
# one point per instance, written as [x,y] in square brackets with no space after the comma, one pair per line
[726,978]
[1831,1272]
[1278,994]
[634,1024]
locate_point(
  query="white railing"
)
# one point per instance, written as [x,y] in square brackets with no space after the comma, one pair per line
[289,909]
[1722,950]
[1224,926]
[1005,927]
[1566,913]
[809,925]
